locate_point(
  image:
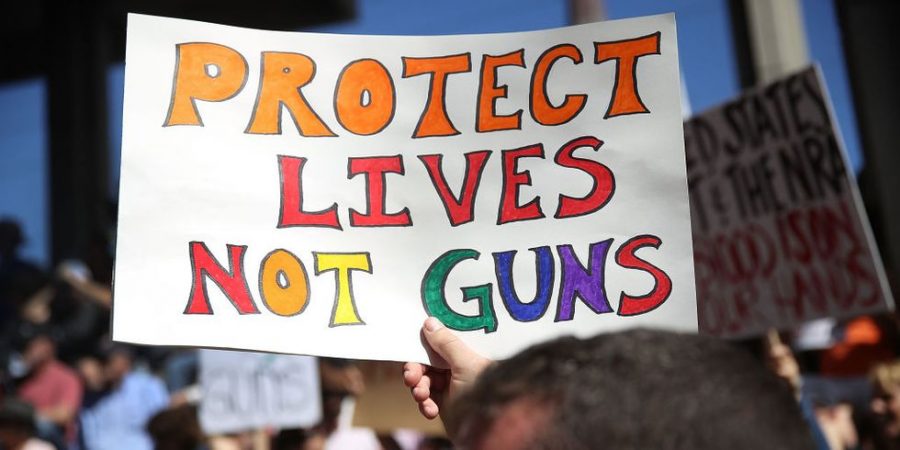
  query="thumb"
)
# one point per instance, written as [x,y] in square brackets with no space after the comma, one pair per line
[446,344]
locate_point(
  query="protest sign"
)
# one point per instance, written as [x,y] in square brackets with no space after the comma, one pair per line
[780,235]
[243,391]
[324,194]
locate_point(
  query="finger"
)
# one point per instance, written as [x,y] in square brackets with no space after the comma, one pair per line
[446,344]
[772,337]
[412,373]
[422,391]
[429,409]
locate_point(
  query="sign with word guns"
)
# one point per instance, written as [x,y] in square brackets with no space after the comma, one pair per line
[323,194]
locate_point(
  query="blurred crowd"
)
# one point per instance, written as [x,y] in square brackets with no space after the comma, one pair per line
[65,385]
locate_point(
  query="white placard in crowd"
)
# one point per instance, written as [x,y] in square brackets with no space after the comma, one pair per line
[323,194]
[243,391]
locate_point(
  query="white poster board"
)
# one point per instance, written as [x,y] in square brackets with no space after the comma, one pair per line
[323,194]
[243,391]
[780,234]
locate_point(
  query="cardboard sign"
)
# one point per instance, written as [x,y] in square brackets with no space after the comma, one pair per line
[324,194]
[780,235]
[242,391]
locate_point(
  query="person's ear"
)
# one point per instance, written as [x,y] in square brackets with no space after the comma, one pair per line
[878,406]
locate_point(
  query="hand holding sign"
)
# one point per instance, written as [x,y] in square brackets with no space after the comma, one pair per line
[432,387]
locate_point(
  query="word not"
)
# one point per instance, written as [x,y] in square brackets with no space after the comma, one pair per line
[460,208]
[365,95]
[577,282]
[283,281]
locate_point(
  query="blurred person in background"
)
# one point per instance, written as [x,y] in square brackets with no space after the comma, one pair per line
[837,423]
[779,359]
[78,324]
[120,404]
[180,369]
[883,431]
[340,378]
[177,428]
[50,386]
[840,406]
[17,430]
[19,279]
[298,439]
[73,304]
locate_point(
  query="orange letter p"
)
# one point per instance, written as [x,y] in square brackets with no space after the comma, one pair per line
[203,71]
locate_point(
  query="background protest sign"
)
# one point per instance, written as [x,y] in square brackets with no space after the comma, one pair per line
[244,391]
[323,194]
[780,235]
